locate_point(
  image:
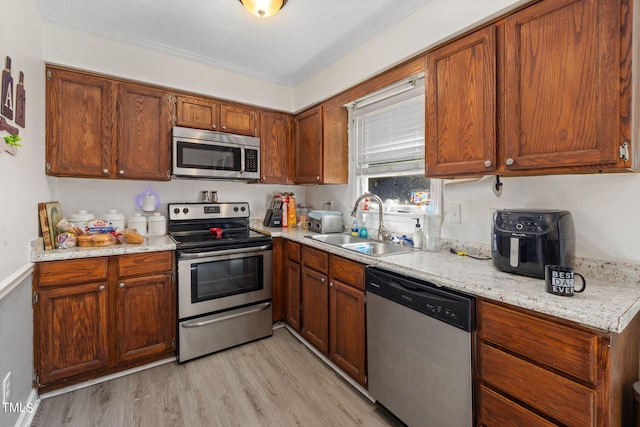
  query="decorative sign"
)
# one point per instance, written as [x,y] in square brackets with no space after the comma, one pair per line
[11,106]
[7,90]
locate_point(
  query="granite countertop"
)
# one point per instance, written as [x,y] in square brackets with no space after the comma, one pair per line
[609,303]
[151,244]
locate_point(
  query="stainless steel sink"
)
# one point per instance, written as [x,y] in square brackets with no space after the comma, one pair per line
[358,244]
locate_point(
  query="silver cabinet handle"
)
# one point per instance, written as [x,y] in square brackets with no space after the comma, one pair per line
[121,172]
[214,126]
[509,161]
[224,127]
[101,288]
[322,280]
[317,178]
[105,171]
[487,163]
[331,284]
[121,285]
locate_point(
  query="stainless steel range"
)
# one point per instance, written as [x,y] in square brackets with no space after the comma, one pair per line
[224,277]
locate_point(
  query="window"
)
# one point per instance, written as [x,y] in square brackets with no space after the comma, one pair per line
[388,129]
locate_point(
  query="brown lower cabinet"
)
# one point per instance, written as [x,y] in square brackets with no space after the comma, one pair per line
[96,316]
[325,302]
[536,370]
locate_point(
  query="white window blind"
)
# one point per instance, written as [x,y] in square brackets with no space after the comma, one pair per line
[390,131]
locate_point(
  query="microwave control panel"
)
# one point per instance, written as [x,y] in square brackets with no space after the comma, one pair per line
[251,160]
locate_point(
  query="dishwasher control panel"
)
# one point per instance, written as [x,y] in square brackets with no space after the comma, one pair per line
[451,307]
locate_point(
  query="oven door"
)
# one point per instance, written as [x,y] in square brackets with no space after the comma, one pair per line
[220,280]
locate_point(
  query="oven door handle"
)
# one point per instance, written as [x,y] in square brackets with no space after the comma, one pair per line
[223,252]
[195,324]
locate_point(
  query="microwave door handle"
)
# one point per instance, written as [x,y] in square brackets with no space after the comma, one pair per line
[242,155]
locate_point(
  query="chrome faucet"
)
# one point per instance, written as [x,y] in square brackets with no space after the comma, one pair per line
[383,233]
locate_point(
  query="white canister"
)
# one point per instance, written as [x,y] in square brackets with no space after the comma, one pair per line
[114,218]
[157,225]
[138,222]
[80,219]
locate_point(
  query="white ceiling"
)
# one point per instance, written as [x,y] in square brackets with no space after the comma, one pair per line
[287,48]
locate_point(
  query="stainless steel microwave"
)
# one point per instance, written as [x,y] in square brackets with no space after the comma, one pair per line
[208,154]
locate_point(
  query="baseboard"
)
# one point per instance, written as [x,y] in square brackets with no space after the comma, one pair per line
[106,378]
[31,407]
[332,365]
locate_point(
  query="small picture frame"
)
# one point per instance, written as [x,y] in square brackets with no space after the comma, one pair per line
[44,226]
[54,215]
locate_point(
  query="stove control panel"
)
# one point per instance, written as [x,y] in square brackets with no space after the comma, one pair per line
[193,211]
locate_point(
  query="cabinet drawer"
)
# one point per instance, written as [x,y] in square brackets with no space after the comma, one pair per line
[147,263]
[292,250]
[348,272]
[57,273]
[498,411]
[558,397]
[570,350]
[316,259]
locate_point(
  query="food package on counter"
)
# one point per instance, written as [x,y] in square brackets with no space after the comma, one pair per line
[66,227]
[66,240]
[99,239]
[132,236]
[99,226]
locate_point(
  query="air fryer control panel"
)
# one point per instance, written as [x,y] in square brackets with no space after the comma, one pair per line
[523,222]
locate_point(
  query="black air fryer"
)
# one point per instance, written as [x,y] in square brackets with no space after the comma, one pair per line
[524,241]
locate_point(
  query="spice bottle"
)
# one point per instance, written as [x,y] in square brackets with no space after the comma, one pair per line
[291,211]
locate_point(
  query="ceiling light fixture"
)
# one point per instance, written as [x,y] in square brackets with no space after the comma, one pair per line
[263,8]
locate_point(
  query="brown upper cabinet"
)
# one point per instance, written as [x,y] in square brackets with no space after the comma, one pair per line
[276,155]
[103,128]
[197,112]
[321,154]
[207,113]
[545,90]
[461,106]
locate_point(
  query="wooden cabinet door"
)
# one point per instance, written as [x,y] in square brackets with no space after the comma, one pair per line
[276,153]
[71,324]
[562,84]
[239,119]
[198,113]
[145,323]
[293,294]
[335,146]
[308,141]
[144,132]
[80,118]
[461,135]
[315,309]
[347,329]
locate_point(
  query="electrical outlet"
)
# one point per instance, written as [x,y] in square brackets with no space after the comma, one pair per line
[6,389]
[452,213]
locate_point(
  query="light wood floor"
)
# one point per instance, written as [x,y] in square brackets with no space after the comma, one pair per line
[276,381]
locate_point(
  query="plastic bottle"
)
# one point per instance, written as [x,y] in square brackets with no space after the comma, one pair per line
[417,235]
[291,211]
[285,207]
[354,227]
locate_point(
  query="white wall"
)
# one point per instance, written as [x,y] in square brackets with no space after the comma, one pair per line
[437,21]
[98,196]
[88,52]
[22,186]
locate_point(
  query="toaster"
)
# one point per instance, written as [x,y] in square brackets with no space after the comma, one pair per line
[524,241]
[326,221]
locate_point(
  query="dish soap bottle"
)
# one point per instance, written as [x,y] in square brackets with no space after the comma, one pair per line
[417,235]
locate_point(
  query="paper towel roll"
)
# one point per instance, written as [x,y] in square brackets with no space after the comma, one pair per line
[483,188]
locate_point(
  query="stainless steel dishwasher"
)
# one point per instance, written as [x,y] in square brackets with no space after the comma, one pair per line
[419,342]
